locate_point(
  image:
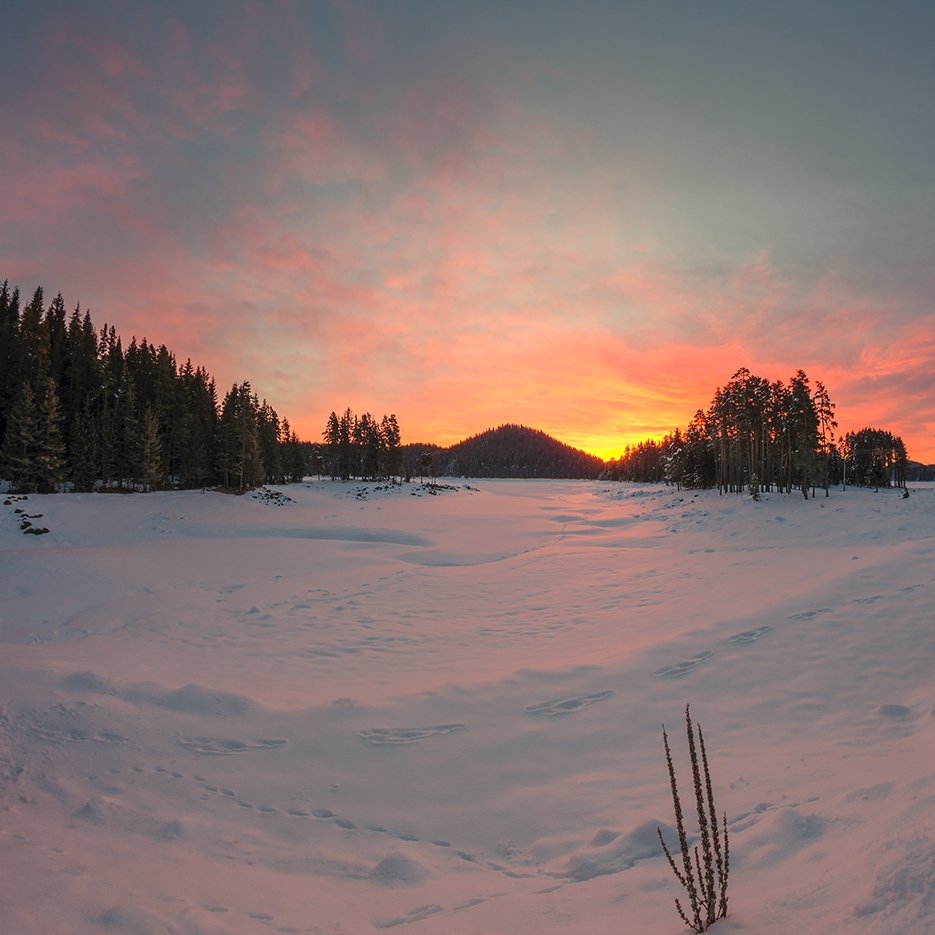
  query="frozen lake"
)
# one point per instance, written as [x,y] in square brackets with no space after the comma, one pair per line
[352,708]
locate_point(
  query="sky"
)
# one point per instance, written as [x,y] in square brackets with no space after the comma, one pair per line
[581,217]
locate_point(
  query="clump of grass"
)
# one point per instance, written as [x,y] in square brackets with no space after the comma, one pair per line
[705,867]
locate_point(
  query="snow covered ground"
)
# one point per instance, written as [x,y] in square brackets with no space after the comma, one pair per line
[362,709]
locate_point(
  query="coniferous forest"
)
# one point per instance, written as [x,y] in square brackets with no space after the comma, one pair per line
[80,412]
[360,446]
[762,436]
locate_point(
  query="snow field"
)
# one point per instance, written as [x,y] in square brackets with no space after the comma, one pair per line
[368,708]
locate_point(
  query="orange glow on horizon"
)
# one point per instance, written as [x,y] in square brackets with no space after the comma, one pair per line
[603,446]
[605,433]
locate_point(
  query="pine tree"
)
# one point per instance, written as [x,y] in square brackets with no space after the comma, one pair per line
[32,359]
[240,462]
[50,448]
[803,430]
[84,451]
[347,428]
[293,460]
[129,432]
[824,410]
[268,438]
[80,388]
[205,427]
[150,471]
[392,446]
[369,443]
[193,428]
[332,437]
[32,450]
[17,456]
[57,332]
[9,347]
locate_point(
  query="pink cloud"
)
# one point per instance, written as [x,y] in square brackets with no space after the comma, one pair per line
[429,247]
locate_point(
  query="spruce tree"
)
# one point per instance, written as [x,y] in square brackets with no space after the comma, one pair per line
[293,461]
[268,432]
[239,450]
[18,454]
[368,441]
[392,446]
[32,451]
[84,451]
[57,332]
[32,359]
[347,427]
[803,430]
[824,410]
[204,428]
[129,432]
[332,436]
[50,448]
[9,348]
[150,470]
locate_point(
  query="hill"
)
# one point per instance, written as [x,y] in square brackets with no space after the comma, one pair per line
[510,451]
[919,471]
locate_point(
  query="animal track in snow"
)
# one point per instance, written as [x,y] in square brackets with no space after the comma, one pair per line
[401,736]
[808,614]
[750,636]
[683,668]
[62,723]
[414,915]
[562,706]
[219,746]
[392,871]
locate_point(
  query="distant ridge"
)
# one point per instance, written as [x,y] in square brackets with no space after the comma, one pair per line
[509,451]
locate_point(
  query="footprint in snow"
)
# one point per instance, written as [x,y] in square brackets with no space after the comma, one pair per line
[402,736]
[562,706]
[809,614]
[220,746]
[683,668]
[414,915]
[95,811]
[750,636]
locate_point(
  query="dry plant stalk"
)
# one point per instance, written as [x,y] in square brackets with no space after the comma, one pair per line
[705,867]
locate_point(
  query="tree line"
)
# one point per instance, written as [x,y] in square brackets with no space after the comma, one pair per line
[872,458]
[80,412]
[758,435]
[361,446]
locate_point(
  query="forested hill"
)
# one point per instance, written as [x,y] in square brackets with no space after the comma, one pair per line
[918,471]
[514,451]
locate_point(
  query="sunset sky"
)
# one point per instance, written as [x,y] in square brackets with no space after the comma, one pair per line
[582,217]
